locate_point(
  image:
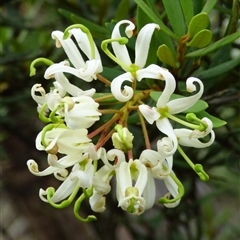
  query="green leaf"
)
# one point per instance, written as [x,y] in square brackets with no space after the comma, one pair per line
[197,6]
[187,7]
[209,5]
[199,106]
[198,23]
[166,56]
[201,39]
[233,22]
[175,16]
[96,30]
[218,70]
[122,10]
[156,19]
[222,42]
[216,121]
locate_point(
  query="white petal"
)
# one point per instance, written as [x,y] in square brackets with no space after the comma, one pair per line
[124,179]
[125,94]
[84,43]
[152,71]
[185,139]
[121,51]
[170,85]
[173,190]
[143,44]
[150,114]
[141,180]
[92,68]
[97,202]
[43,193]
[64,190]
[182,104]
[70,88]
[149,193]
[165,127]
[200,134]
[57,68]
[40,90]
[70,49]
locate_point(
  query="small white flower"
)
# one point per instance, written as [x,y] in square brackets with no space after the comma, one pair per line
[83,114]
[130,198]
[81,69]
[159,166]
[64,141]
[165,104]
[77,178]
[121,53]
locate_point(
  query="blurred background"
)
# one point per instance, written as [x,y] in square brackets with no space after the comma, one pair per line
[208,210]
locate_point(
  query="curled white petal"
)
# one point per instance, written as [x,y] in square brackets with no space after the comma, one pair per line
[70,49]
[200,134]
[181,104]
[89,72]
[41,97]
[112,155]
[167,148]
[125,94]
[185,138]
[173,191]
[70,88]
[121,51]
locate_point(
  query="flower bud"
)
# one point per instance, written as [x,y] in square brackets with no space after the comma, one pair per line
[122,139]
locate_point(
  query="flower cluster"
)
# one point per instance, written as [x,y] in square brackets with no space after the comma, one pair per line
[79,124]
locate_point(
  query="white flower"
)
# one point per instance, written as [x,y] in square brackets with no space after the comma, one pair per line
[122,55]
[159,166]
[83,114]
[188,138]
[103,176]
[81,69]
[66,85]
[56,166]
[130,197]
[164,105]
[81,178]
[64,141]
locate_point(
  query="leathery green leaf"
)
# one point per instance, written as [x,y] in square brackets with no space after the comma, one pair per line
[233,22]
[199,106]
[216,121]
[219,69]
[198,23]
[187,7]
[209,5]
[156,19]
[201,39]
[222,42]
[175,16]
[166,56]
[96,30]
[122,10]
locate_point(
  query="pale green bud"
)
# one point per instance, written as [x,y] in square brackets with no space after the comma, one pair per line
[122,139]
